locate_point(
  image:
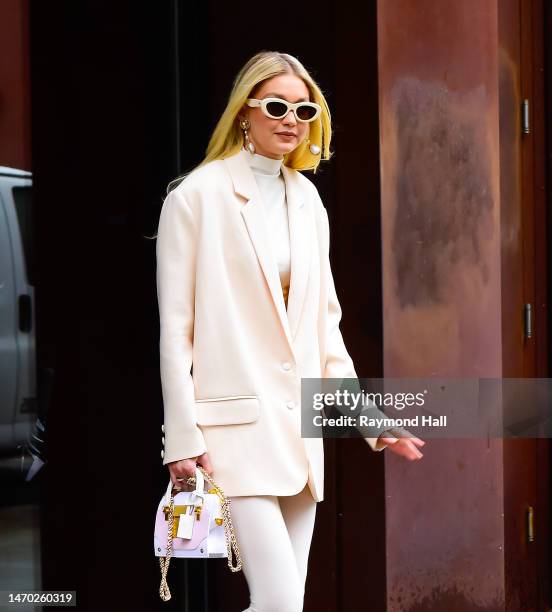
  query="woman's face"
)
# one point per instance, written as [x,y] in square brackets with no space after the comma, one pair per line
[266,133]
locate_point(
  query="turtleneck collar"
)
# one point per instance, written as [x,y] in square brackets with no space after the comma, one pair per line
[262,165]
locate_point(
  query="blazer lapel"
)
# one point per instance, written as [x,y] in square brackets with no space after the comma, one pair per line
[257,227]
[300,245]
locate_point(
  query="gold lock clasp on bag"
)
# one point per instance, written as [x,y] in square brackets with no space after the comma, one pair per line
[178,511]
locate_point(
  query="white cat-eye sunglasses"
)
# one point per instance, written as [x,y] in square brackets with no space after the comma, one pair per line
[276,108]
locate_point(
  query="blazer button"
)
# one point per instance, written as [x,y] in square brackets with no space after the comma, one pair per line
[291,405]
[162,453]
[286,365]
[163,440]
[163,428]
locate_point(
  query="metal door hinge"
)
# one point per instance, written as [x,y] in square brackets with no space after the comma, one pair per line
[530,524]
[528,317]
[526,118]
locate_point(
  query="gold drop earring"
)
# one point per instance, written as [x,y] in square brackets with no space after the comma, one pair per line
[245,124]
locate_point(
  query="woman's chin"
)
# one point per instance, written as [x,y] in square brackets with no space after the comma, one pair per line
[285,147]
[275,152]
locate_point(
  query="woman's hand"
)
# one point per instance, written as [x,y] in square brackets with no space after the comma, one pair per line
[184,468]
[404,444]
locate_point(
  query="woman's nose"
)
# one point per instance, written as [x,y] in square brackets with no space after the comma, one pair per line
[290,118]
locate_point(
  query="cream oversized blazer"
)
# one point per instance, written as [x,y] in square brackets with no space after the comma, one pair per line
[231,356]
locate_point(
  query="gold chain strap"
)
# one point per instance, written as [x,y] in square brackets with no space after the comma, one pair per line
[164,591]
[229,534]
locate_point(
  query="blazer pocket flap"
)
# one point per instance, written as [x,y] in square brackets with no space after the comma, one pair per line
[227,411]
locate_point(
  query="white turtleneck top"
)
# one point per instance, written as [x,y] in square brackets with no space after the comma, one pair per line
[268,175]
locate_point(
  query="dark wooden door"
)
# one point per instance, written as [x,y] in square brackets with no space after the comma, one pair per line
[524,283]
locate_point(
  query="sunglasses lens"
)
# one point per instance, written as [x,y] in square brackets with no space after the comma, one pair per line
[276,109]
[306,113]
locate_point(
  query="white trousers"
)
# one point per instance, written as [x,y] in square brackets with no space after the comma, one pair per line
[274,535]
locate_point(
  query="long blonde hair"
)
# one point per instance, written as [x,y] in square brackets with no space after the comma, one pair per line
[227,137]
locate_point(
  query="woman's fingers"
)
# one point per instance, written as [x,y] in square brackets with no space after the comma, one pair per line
[406,448]
[413,452]
[205,462]
[182,470]
[186,468]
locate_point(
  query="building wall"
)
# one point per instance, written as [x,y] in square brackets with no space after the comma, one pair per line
[441,289]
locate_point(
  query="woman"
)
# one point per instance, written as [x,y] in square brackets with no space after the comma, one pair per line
[246,295]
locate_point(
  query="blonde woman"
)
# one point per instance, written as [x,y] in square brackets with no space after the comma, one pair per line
[246,297]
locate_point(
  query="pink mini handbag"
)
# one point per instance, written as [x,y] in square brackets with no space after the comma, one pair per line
[194,524]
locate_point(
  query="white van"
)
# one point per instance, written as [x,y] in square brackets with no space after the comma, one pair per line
[18,405]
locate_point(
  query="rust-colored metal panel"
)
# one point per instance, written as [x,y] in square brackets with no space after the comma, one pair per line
[15,86]
[439,139]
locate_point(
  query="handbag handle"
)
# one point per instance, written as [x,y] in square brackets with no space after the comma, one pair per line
[229,534]
[199,487]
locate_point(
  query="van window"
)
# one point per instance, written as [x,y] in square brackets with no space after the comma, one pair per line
[24,210]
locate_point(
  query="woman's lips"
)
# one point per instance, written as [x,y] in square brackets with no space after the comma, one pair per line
[287,136]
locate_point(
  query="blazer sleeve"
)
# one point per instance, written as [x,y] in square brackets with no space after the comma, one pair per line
[338,361]
[176,265]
